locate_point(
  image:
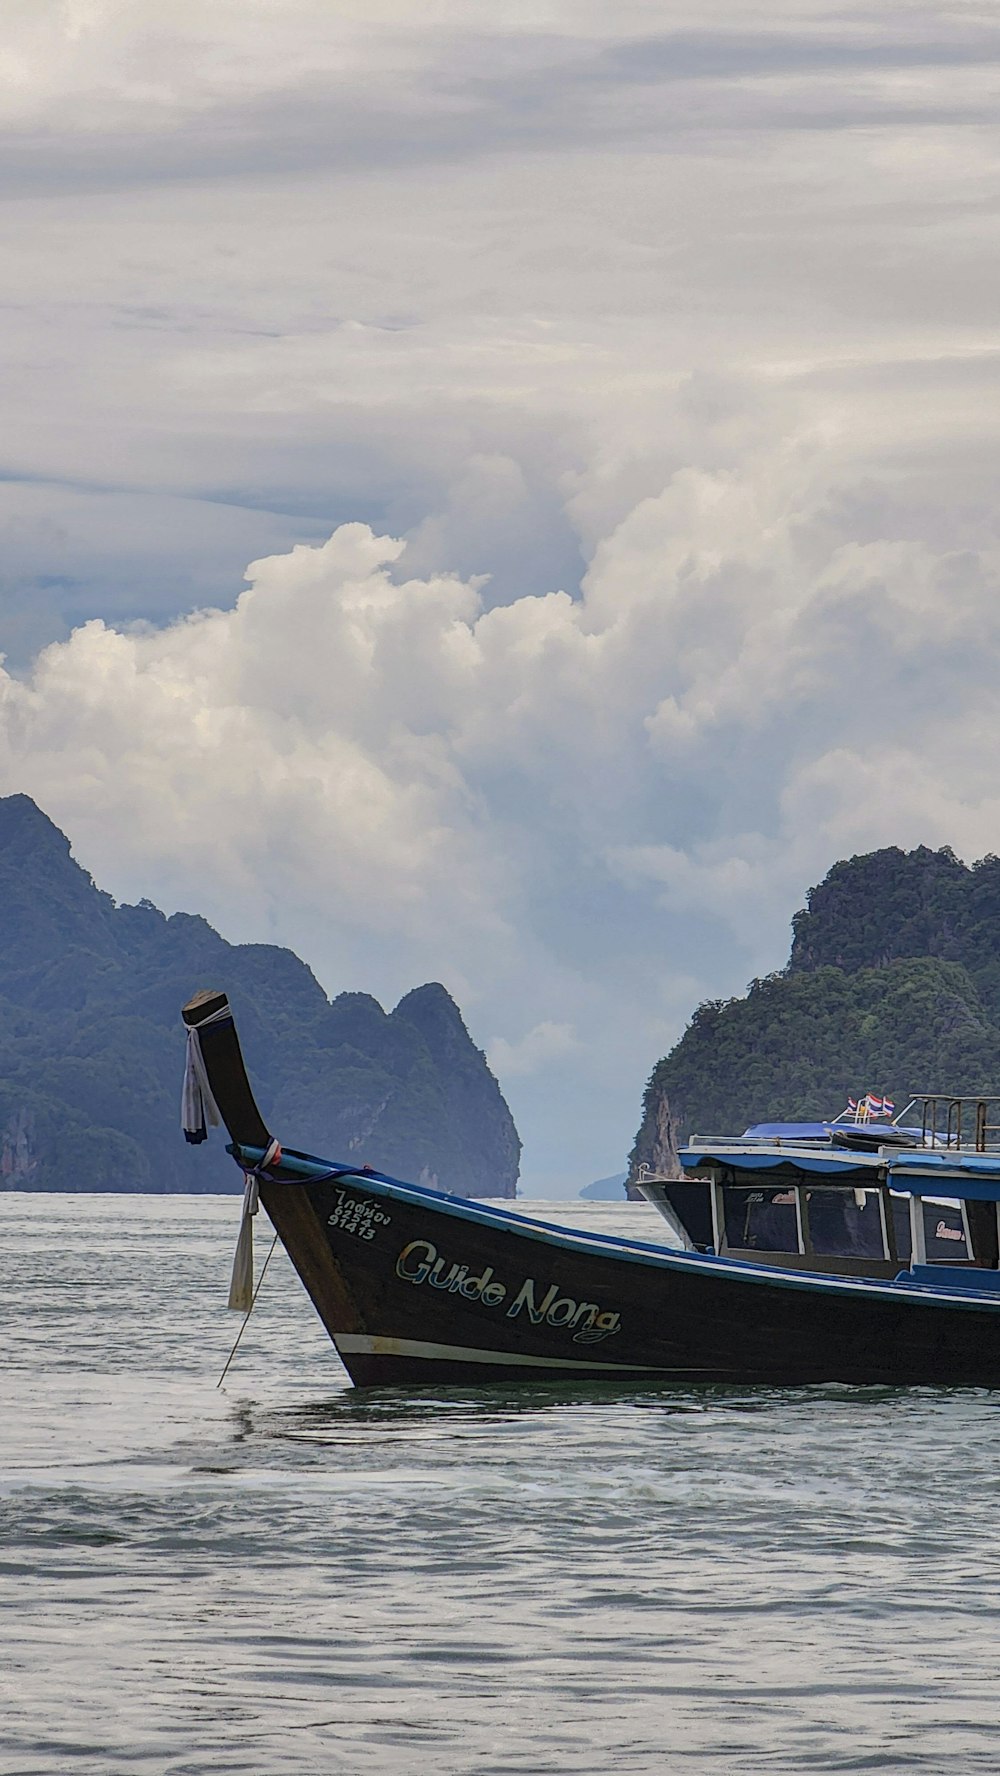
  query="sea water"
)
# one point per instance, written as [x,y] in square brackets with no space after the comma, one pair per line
[284,1575]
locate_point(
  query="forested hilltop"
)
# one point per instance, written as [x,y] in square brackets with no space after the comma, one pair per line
[892,986]
[92,1048]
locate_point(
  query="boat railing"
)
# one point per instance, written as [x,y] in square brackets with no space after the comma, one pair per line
[968,1124]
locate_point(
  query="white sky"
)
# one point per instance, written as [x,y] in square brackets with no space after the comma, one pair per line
[661,345]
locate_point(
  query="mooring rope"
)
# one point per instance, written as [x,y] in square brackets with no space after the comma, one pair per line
[246,1317]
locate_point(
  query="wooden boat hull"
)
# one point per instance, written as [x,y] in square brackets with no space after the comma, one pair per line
[420,1289]
[416,1288]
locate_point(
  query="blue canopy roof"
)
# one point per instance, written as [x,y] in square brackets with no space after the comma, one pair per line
[832,1161]
[819,1131]
[975,1176]
[971,1176]
[788,1131]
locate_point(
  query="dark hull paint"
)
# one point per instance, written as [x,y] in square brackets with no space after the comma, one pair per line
[527,1303]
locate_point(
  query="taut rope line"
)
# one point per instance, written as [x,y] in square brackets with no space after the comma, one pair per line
[246,1317]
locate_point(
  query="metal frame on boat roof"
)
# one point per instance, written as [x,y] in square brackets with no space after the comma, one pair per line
[956,1112]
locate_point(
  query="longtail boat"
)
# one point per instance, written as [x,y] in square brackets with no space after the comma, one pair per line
[802,1254]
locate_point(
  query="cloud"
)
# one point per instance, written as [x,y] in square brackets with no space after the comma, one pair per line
[563,806]
[233,92]
[534,1050]
[629,384]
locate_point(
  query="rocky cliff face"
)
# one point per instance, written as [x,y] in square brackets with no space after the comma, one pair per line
[658,1138]
[91,1047]
[892,986]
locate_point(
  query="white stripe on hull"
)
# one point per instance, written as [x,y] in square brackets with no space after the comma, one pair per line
[367,1344]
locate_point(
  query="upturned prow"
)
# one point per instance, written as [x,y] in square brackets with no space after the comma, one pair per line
[209,1013]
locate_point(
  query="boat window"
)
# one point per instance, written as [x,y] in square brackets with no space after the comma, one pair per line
[945,1231]
[761,1220]
[946,1235]
[846,1223]
[687,1202]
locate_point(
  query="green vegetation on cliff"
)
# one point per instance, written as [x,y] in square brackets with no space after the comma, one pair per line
[893,985]
[92,1050]
[891,905]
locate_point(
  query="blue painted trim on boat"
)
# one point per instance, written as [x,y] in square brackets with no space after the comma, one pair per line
[975,1176]
[966,1277]
[462,1206]
[631,1251]
[936,1160]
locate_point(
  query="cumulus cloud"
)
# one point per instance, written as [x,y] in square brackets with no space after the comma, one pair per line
[563,806]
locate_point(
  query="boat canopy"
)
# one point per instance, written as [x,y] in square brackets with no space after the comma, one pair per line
[789,1131]
[832,1162]
[974,1177]
[826,1131]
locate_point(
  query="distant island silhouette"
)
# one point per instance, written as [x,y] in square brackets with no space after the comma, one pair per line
[92,1050]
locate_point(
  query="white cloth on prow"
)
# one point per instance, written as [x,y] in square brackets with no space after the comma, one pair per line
[198,1106]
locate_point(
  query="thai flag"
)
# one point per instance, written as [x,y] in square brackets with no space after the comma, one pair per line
[852,1106]
[874,1105]
[888,1108]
